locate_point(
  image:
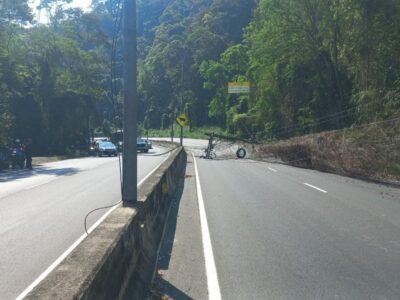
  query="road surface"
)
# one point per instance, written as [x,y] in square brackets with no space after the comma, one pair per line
[278,232]
[42,212]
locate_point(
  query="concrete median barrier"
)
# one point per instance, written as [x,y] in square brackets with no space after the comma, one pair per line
[116,261]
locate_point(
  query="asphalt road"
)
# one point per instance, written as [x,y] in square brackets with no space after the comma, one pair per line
[270,231]
[42,212]
[279,232]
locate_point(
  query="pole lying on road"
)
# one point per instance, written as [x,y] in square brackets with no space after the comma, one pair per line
[129,181]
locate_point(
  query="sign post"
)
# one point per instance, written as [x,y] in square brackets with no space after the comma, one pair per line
[182,120]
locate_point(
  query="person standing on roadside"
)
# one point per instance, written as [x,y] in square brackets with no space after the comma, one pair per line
[16,154]
[28,154]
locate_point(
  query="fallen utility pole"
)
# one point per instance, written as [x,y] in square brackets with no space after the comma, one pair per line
[231,138]
[129,172]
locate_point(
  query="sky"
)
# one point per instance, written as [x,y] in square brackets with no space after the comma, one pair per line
[42,18]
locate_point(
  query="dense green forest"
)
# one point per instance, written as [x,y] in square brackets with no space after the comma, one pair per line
[313,65]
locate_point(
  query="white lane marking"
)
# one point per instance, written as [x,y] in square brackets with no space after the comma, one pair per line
[74,245]
[214,292]
[316,188]
[61,258]
[273,170]
[152,172]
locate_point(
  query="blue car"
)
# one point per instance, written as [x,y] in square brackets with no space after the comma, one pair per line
[142,145]
[106,148]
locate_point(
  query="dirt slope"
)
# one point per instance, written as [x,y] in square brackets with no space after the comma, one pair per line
[370,152]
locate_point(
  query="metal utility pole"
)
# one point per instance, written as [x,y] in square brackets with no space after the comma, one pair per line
[129,172]
[181,138]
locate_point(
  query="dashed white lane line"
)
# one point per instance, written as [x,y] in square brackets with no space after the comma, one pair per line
[214,292]
[74,245]
[273,170]
[316,188]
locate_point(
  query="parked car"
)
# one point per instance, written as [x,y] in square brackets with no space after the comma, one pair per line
[142,145]
[105,148]
[94,145]
[101,139]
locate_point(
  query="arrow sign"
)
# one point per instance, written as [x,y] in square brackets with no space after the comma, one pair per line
[182,120]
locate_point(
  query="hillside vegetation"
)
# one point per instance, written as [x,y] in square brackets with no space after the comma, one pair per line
[313,66]
[370,152]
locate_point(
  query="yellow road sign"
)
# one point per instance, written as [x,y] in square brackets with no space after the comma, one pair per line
[182,120]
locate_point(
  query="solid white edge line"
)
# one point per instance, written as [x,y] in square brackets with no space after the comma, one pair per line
[62,257]
[74,245]
[316,188]
[273,170]
[214,292]
[152,172]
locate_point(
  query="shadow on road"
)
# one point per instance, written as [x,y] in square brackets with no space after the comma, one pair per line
[10,175]
[169,235]
[165,290]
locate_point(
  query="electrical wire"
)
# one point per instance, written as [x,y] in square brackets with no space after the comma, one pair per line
[366,143]
[377,122]
[117,11]
[117,203]
[114,48]
[96,209]
[325,121]
[315,122]
[327,118]
[161,154]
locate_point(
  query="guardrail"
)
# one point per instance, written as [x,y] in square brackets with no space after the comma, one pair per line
[116,261]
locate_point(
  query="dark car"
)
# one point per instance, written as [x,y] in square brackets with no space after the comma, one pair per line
[142,145]
[105,148]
